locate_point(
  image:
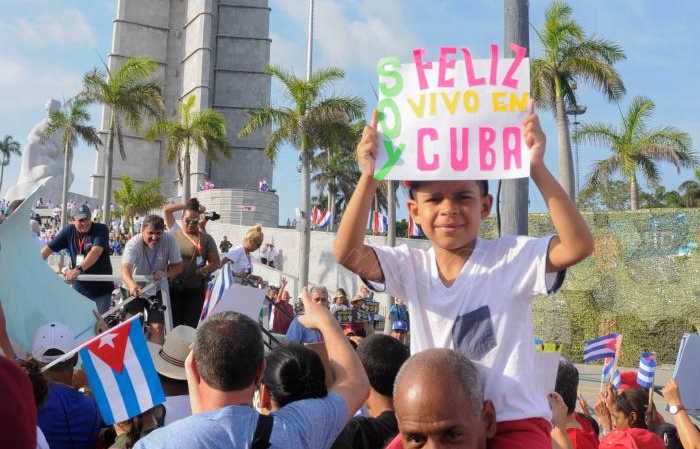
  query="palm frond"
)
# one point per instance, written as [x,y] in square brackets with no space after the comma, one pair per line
[602,172]
[599,135]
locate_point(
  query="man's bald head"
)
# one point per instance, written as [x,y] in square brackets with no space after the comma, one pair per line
[438,397]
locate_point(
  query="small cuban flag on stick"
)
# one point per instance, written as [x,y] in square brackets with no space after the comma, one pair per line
[223,280]
[121,373]
[601,348]
[647,368]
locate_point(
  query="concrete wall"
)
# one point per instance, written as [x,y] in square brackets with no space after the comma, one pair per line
[227,202]
[140,29]
[323,270]
[213,49]
[241,52]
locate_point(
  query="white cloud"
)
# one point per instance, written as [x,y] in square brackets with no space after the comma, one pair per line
[354,32]
[25,86]
[67,27]
[288,54]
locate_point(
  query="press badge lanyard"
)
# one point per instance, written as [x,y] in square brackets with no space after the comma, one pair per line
[197,245]
[80,244]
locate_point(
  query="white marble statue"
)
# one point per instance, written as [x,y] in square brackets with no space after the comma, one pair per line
[41,159]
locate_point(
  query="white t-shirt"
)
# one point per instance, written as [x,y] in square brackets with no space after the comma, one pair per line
[239,259]
[176,407]
[485,314]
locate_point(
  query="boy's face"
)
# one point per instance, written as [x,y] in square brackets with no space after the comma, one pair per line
[449,212]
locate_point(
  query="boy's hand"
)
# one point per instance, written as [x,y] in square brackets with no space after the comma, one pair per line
[367,148]
[534,139]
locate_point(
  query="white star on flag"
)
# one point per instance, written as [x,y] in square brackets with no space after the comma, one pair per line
[106,340]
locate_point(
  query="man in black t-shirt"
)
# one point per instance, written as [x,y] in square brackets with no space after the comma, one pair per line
[87,244]
[382,357]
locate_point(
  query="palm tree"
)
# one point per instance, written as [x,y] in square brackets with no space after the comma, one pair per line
[636,148]
[130,95]
[206,129]
[691,190]
[304,124]
[133,200]
[571,57]
[334,166]
[8,147]
[72,121]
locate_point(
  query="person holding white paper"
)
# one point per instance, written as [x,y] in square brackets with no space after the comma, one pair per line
[467,293]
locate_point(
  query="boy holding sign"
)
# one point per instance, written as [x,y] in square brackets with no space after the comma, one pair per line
[467,293]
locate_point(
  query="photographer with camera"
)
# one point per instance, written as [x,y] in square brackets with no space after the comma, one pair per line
[153,252]
[204,217]
[200,258]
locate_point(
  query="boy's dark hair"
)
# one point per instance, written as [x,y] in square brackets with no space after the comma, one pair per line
[482,183]
[192,205]
[567,383]
[154,221]
[294,372]
[228,351]
[382,357]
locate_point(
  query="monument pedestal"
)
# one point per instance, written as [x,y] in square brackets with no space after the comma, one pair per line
[234,206]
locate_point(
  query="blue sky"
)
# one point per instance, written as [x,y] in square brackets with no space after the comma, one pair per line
[49,44]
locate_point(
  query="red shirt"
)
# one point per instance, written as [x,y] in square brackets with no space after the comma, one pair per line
[631,438]
[585,437]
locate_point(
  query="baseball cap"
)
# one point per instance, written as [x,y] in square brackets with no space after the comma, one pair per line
[81,212]
[52,336]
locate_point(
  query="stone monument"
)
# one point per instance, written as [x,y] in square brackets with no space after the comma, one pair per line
[216,50]
[41,159]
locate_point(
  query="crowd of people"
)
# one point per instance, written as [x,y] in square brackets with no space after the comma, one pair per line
[464,309]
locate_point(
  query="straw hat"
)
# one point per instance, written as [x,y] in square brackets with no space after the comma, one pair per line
[357,298]
[169,359]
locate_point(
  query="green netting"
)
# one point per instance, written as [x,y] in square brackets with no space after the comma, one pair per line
[642,281]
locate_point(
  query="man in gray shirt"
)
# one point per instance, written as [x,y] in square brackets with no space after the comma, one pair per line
[155,253]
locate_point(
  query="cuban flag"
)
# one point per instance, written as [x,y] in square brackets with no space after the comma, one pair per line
[617,379]
[380,222]
[121,373]
[315,216]
[610,376]
[414,229]
[608,365]
[647,368]
[601,347]
[324,219]
[222,282]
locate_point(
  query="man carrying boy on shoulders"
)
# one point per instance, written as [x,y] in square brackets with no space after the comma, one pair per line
[467,293]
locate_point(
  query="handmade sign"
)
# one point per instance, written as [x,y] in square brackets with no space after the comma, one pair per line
[454,118]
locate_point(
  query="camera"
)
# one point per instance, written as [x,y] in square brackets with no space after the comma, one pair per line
[213,216]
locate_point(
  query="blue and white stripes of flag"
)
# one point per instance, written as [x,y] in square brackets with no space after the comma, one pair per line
[647,369]
[121,373]
[601,348]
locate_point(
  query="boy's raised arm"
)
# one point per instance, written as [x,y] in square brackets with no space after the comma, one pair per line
[350,249]
[573,242]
